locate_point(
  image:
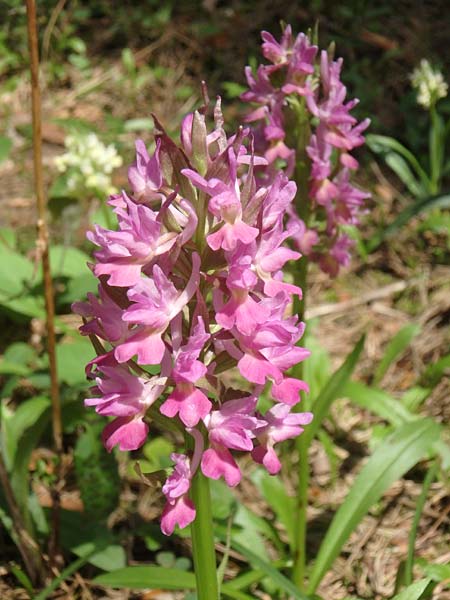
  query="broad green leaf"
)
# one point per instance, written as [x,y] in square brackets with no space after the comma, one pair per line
[382,144]
[19,471]
[275,495]
[390,461]
[378,402]
[20,352]
[15,271]
[28,306]
[400,167]
[25,416]
[71,360]
[67,261]
[332,390]
[78,288]
[412,210]
[274,574]
[395,348]
[147,576]
[421,590]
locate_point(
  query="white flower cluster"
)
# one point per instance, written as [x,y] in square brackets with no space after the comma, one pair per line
[429,83]
[89,164]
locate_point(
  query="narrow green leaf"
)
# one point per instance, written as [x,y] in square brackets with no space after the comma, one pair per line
[412,210]
[332,390]
[274,574]
[382,144]
[437,148]
[275,495]
[395,348]
[390,461]
[65,574]
[148,576]
[400,167]
[235,594]
[421,590]
[378,402]
[429,478]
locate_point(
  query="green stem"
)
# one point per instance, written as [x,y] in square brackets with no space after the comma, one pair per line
[203,540]
[299,138]
[298,570]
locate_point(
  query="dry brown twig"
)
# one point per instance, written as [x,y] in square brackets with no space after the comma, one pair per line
[43,244]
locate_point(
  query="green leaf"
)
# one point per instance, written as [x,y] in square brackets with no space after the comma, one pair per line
[28,306]
[382,144]
[15,271]
[26,415]
[437,148]
[421,590]
[378,402]
[420,503]
[332,390]
[315,370]
[65,574]
[395,348]
[71,360]
[435,571]
[403,172]
[390,461]
[94,541]
[5,147]
[67,261]
[274,492]
[139,125]
[78,288]
[29,440]
[274,574]
[148,576]
[412,210]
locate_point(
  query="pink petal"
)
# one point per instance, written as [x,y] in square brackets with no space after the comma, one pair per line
[217,462]
[181,513]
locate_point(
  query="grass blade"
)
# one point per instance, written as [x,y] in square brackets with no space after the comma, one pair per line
[147,576]
[275,575]
[398,453]
[378,402]
[429,478]
[394,349]
[332,390]
[412,210]
[382,144]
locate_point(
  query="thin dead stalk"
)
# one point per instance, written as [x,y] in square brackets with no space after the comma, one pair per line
[43,250]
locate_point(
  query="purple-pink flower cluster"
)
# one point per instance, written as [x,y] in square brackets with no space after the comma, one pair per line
[191,284]
[304,121]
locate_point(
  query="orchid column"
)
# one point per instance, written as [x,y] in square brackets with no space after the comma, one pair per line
[191,284]
[304,127]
